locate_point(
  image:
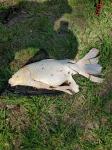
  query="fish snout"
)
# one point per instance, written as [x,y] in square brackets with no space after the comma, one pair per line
[11,82]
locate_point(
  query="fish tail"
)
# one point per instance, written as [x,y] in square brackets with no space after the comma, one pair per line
[88,66]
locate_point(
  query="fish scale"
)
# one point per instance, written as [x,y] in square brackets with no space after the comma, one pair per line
[50,71]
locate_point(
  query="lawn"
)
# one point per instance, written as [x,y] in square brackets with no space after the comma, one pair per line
[34,30]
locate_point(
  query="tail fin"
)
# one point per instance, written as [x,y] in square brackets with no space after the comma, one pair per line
[91,54]
[88,66]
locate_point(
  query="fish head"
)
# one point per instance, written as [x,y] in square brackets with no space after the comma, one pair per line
[19,77]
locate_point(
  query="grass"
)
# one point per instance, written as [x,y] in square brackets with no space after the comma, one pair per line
[61,122]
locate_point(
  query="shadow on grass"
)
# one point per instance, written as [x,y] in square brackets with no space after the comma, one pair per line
[31,25]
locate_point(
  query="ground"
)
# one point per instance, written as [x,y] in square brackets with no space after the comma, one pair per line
[55,122]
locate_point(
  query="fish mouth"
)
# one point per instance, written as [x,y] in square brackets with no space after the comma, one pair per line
[11,82]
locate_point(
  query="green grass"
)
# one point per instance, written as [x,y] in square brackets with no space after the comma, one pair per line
[62,122]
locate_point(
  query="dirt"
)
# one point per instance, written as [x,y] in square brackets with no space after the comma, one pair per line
[17,118]
[107,85]
[19,121]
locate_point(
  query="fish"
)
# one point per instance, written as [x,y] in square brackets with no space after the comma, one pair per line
[52,74]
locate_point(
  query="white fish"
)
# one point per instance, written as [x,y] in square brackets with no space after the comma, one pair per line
[51,74]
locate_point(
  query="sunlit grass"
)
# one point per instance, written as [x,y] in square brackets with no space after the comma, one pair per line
[60,122]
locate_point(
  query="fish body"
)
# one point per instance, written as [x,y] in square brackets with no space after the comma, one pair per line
[52,74]
[50,71]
